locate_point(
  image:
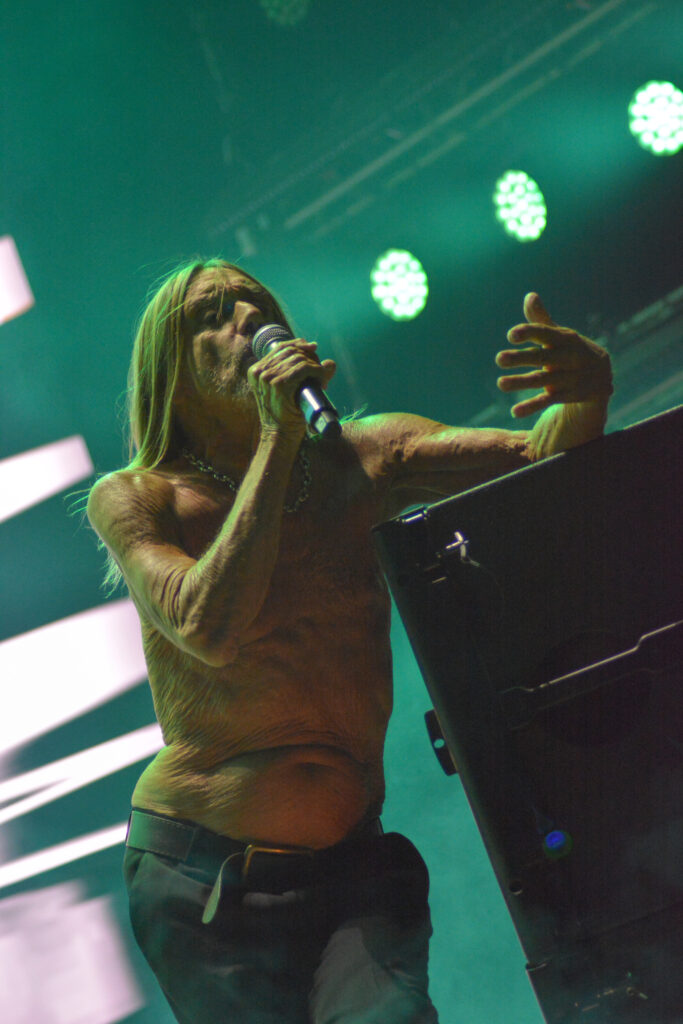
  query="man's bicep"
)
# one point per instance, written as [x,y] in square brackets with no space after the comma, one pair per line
[414,444]
[137,526]
[431,460]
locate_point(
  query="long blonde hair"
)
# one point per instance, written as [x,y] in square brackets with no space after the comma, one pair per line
[156,365]
[154,374]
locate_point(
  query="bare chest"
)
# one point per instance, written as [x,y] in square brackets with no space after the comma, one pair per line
[326,566]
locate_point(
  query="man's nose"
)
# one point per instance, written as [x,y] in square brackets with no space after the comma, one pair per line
[247,317]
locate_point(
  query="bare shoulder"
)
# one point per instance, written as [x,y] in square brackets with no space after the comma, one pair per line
[371,441]
[131,504]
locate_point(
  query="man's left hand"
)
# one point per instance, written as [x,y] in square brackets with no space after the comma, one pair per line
[569,367]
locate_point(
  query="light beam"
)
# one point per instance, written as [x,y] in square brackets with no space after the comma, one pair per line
[35,475]
[53,674]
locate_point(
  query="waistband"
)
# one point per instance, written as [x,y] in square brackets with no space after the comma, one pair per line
[262,867]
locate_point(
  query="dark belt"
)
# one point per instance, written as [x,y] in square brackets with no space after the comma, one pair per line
[262,867]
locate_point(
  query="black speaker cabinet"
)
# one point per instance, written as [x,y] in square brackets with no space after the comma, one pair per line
[545,611]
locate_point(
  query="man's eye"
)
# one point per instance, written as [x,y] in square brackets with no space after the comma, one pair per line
[214,316]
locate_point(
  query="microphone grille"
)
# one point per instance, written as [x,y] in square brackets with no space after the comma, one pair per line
[268,335]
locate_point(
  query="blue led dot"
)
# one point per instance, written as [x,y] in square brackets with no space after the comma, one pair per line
[557,843]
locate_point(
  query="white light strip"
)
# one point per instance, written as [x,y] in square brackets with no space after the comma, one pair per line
[55,856]
[33,476]
[54,780]
[56,673]
[16,296]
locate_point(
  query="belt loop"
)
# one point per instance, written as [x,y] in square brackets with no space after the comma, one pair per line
[214,899]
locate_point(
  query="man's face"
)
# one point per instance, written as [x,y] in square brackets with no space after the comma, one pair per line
[222,311]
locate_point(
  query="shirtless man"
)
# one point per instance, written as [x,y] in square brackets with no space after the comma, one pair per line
[245,545]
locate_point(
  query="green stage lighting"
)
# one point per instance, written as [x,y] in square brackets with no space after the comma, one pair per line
[286,12]
[399,284]
[656,117]
[520,206]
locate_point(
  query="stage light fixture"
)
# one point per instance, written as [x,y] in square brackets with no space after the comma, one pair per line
[656,117]
[399,284]
[520,206]
[286,12]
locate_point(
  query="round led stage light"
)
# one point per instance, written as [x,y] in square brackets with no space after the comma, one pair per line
[656,117]
[399,284]
[520,206]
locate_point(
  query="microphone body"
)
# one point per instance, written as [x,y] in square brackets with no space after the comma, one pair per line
[321,415]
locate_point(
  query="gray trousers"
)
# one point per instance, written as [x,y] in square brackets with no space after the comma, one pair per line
[351,947]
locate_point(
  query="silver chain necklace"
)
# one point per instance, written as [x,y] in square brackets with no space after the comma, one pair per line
[305,462]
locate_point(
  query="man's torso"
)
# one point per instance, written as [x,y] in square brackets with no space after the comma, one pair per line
[285,743]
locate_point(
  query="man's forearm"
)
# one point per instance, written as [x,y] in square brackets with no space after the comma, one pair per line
[565,426]
[222,594]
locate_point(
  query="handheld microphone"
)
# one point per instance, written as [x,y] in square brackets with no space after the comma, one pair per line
[321,415]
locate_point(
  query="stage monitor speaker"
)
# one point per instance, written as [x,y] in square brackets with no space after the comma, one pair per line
[545,611]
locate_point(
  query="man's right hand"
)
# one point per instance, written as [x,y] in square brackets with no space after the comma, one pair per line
[276,378]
